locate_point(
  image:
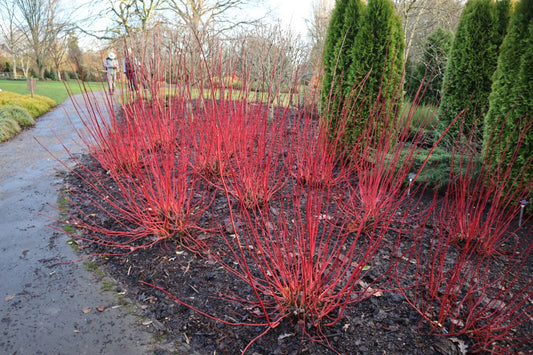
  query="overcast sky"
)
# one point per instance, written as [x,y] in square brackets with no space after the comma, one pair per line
[293,13]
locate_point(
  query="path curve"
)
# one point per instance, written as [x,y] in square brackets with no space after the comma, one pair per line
[42,302]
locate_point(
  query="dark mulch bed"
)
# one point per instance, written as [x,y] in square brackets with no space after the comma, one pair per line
[381,324]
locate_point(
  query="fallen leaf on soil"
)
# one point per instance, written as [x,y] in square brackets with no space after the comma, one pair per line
[463,348]
[369,291]
[286,335]
[9,298]
[100,308]
[147,322]
[86,310]
[257,311]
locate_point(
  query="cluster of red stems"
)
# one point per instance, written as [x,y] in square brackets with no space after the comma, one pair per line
[307,216]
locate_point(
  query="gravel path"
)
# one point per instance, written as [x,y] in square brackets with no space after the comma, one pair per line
[47,307]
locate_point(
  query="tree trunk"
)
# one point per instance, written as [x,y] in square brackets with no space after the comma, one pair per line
[14,67]
[40,69]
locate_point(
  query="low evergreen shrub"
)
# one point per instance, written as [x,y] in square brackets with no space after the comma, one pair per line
[36,105]
[20,115]
[419,118]
[8,127]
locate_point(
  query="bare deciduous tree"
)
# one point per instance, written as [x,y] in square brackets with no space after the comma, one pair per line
[131,16]
[41,25]
[12,36]
[420,18]
[113,19]
[317,27]
[59,51]
[270,58]
[26,59]
[200,15]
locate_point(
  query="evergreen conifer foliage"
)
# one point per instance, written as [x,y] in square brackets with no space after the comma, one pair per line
[511,100]
[378,50]
[473,59]
[430,71]
[353,18]
[363,65]
[504,9]
[331,52]
[343,28]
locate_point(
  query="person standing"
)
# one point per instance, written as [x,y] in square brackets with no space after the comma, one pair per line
[111,66]
[128,64]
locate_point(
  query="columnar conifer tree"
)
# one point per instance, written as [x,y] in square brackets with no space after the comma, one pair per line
[343,28]
[361,39]
[353,19]
[511,100]
[379,50]
[332,71]
[468,78]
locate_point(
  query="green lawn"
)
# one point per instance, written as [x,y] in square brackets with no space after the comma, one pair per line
[55,90]
[283,100]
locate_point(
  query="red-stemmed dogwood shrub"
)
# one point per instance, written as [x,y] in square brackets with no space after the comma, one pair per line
[163,200]
[144,203]
[117,146]
[167,197]
[218,127]
[313,156]
[304,262]
[300,262]
[207,143]
[462,291]
[468,275]
[384,172]
[236,137]
[257,170]
[482,200]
